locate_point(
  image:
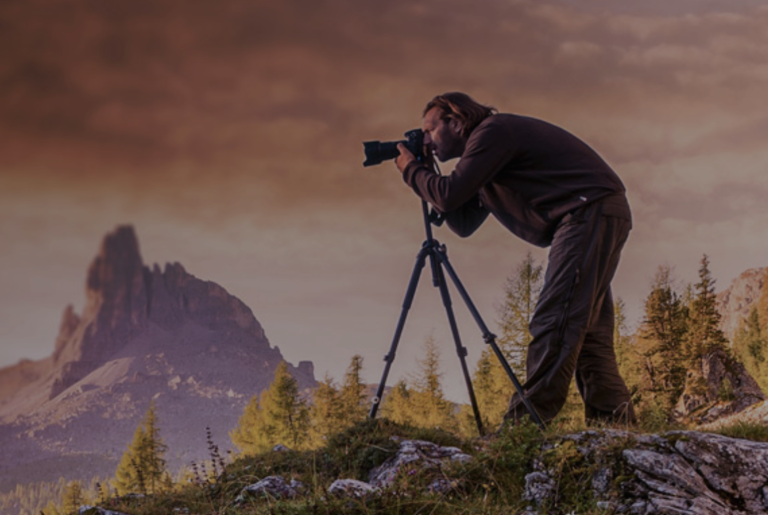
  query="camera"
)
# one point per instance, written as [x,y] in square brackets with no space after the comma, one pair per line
[378,151]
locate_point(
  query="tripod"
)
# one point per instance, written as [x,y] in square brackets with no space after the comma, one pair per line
[438,258]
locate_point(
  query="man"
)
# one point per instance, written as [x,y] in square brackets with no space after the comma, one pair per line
[550,189]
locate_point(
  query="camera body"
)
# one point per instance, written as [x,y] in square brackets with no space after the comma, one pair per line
[378,151]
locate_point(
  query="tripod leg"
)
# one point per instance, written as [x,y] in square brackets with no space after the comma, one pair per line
[390,357]
[461,351]
[488,337]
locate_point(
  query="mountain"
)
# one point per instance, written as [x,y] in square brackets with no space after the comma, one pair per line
[735,302]
[144,334]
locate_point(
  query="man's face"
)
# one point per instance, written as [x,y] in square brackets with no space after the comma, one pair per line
[441,137]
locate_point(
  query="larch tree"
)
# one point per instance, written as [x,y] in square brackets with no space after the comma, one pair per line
[73,498]
[751,347]
[278,416]
[661,342]
[326,413]
[353,395]
[142,467]
[398,404]
[428,399]
[704,333]
[493,387]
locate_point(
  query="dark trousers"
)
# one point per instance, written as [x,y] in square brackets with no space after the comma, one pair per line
[572,327]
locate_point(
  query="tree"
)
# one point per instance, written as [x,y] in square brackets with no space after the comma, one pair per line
[762,303]
[628,356]
[751,347]
[326,412]
[142,466]
[660,342]
[493,387]
[521,293]
[398,405]
[428,398]
[704,333]
[73,498]
[353,393]
[279,416]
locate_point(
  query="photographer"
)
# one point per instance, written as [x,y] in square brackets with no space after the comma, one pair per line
[550,189]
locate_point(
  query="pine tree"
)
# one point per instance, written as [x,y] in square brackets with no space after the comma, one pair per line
[142,466]
[279,416]
[493,387]
[428,398]
[521,293]
[762,303]
[751,347]
[398,404]
[660,342]
[627,352]
[326,413]
[704,334]
[73,498]
[353,393]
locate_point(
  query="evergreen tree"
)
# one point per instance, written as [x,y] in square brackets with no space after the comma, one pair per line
[398,404]
[493,387]
[73,498]
[704,333]
[279,416]
[762,303]
[661,343]
[142,466]
[521,293]
[628,357]
[428,399]
[326,413]
[751,347]
[353,393]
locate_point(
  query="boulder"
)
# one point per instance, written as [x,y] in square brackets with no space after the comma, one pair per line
[680,472]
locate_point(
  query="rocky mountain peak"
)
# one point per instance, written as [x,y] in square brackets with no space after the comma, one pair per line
[125,298]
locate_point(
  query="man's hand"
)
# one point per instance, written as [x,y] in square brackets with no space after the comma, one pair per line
[405,157]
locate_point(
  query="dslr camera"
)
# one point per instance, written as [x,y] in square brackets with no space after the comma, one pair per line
[378,151]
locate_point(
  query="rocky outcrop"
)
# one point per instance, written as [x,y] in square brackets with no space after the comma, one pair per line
[681,472]
[413,457]
[734,303]
[720,387]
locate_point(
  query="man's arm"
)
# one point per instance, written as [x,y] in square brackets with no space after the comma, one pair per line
[463,220]
[488,150]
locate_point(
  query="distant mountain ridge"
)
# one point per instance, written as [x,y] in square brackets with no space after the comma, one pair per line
[144,334]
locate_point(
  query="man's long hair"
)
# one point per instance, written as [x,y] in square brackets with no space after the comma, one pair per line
[461,107]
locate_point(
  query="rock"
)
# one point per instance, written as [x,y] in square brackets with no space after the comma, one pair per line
[272,486]
[352,488]
[681,472]
[721,387]
[416,454]
[280,448]
[735,303]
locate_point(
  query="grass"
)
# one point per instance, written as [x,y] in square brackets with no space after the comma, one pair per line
[755,431]
[492,483]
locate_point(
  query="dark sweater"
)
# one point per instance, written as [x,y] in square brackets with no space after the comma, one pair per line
[526,172]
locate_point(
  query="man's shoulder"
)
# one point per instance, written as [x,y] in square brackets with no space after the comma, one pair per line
[508,121]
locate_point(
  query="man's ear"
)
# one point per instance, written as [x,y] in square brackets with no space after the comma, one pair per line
[455,125]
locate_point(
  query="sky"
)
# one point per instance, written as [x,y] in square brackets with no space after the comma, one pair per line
[229,134]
